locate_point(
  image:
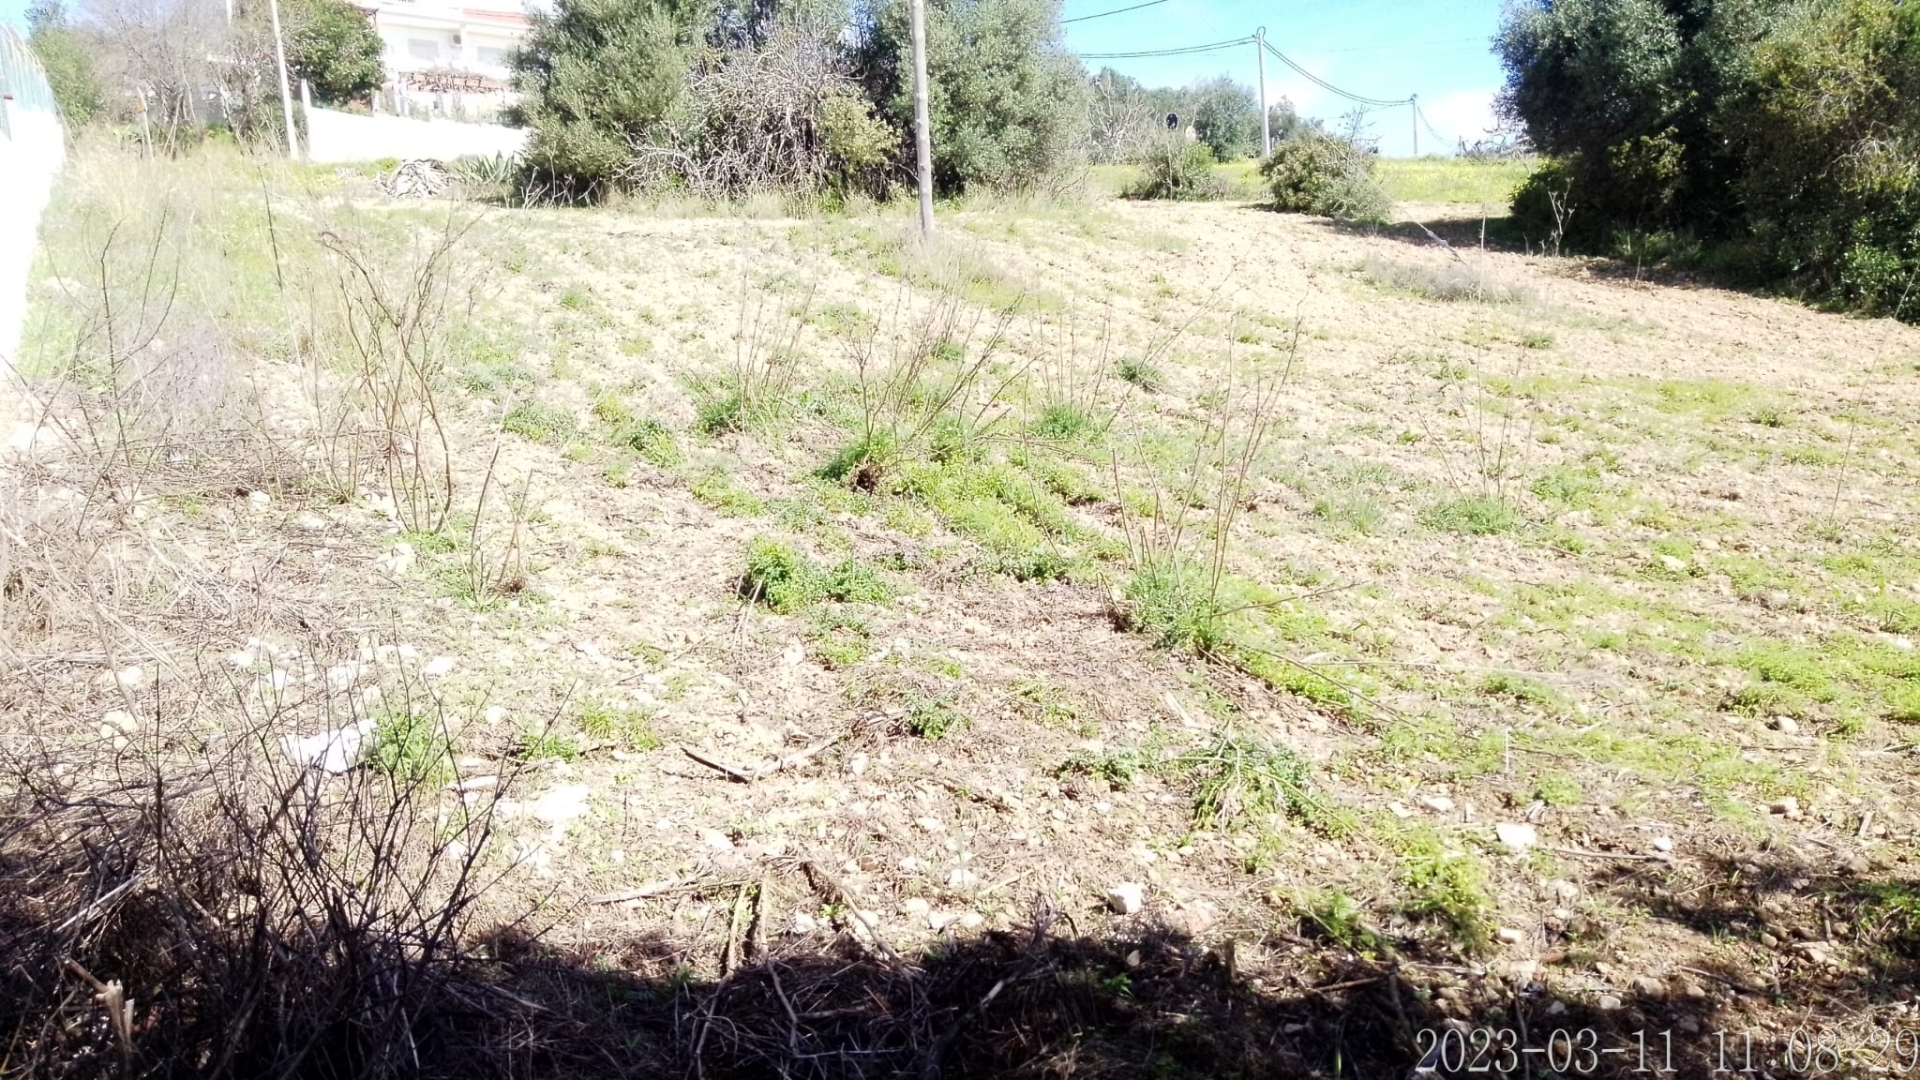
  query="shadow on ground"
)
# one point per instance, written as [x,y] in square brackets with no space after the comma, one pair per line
[1044,1001]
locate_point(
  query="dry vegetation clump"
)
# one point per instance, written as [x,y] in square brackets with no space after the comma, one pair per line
[1453,280]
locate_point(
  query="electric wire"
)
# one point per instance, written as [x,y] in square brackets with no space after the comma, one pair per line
[1187,51]
[1115,11]
[1332,89]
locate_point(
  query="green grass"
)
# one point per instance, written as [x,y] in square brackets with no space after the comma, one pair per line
[1517,688]
[546,743]
[1064,420]
[1121,768]
[932,717]
[1241,780]
[412,749]
[1023,526]
[1351,510]
[1142,373]
[1556,789]
[720,492]
[1445,883]
[1452,180]
[721,414]
[1571,485]
[605,719]
[536,420]
[1338,918]
[839,639]
[650,439]
[1471,515]
[785,581]
[1172,603]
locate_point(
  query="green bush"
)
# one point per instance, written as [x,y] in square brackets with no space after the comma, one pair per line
[1314,173]
[64,54]
[1177,171]
[1008,101]
[592,75]
[1763,140]
[334,48]
[859,145]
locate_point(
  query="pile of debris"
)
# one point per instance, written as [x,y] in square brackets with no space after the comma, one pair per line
[416,179]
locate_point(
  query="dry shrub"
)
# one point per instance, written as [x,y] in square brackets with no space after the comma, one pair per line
[782,117]
[178,894]
[1451,280]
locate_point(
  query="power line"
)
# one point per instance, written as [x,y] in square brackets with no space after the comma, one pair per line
[1329,87]
[1188,51]
[1115,11]
[1425,123]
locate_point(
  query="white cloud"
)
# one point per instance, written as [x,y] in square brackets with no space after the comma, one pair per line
[1464,115]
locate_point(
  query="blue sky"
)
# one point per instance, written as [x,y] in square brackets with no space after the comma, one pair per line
[1386,49]
[1383,49]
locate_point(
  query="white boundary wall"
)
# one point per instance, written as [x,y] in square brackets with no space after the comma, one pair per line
[337,136]
[33,147]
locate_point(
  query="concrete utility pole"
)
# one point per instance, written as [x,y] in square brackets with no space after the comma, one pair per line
[922,138]
[1413,106]
[286,91]
[1266,123]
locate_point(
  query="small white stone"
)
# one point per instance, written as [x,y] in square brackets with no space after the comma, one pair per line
[915,907]
[1663,843]
[963,880]
[122,720]
[972,920]
[438,667]
[1439,804]
[1786,806]
[259,498]
[1606,1003]
[1786,725]
[496,714]
[342,676]
[804,923]
[1517,836]
[562,804]
[930,824]
[857,764]
[1127,898]
[1509,936]
[240,658]
[912,865]
[131,677]
[717,840]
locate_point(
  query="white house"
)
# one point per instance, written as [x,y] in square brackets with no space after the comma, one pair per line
[449,59]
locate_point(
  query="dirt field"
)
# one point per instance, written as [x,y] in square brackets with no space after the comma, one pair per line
[1126,639]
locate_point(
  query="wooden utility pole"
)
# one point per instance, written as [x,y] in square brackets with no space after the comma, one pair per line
[1413,106]
[286,91]
[1266,123]
[922,137]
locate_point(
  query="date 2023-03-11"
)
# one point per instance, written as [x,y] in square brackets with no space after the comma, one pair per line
[1585,1051]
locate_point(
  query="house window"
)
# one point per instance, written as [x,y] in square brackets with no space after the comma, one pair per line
[492,55]
[423,49]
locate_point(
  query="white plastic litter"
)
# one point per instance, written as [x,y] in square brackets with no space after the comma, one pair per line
[330,751]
